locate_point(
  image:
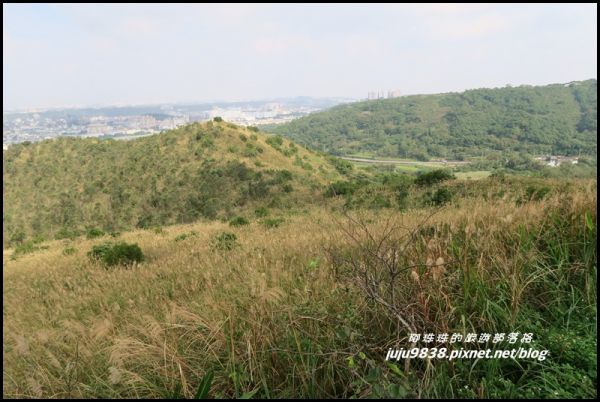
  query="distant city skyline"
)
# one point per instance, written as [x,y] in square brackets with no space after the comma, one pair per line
[67,55]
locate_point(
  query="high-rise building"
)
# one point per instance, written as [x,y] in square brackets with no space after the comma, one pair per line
[393,94]
[372,95]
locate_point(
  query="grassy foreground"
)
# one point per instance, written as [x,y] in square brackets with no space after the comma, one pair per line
[287,311]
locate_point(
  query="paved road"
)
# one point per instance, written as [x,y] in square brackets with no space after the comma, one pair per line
[397,162]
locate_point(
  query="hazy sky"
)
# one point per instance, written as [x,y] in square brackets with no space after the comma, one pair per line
[78,55]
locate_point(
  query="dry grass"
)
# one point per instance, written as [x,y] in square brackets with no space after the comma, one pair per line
[265,316]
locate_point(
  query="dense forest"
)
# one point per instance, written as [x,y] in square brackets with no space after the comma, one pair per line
[64,187]
[557,119]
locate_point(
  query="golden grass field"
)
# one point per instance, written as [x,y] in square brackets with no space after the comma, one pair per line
[273,317]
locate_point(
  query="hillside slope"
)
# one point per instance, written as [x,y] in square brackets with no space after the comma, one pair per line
[285,311]
[60,188]
[553,119]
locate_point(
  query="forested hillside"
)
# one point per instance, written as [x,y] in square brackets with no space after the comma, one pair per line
[65,187]
[553,119]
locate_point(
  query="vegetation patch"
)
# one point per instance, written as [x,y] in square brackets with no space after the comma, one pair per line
[273,222]
[93,233]
[225,241]
[184,236]
[433,177]
[238,221]
[111,254]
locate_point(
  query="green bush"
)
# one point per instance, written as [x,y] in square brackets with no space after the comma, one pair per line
[116,254]
[17,237]
[225,241]
[441,196]
[253,128]
[283,176]
[238,221]
[275,141]
[184,236]
[435,176]
[66,233]
[273,223]
[261,212]
[69,250]
[207,142]
[342,166]
[218,119]
[341,188]
[535,193]
[26,248]
[92,233]
[38,239]
[250,151]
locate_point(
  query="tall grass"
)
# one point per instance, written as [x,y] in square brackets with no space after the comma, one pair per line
[288,313]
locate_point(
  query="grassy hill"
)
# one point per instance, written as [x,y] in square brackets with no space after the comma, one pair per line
[309,309]
[493,123]
[65,187]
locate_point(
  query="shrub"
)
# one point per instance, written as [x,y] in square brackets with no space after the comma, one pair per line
[69,250]
[272,223]
[533,193]
[341,188]
[441,196]
[207,142]
[275,141]
[287,188]
[238,221]
[66,233]
[283,176]
[261,212]
[26,248]
[17,237]
[435,176]
[92,233]
[250,151]
[218,119]
[116,254]
[342,166]
[225,241]
[243,137]
[38,239]
[402,194]
[184,236]
[253,128]
[372,196]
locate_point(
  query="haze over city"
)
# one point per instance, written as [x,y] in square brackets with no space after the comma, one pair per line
[65,55]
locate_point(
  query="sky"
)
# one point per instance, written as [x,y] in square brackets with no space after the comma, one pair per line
[67,55]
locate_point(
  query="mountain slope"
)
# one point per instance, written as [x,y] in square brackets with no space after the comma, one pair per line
[556,119]
[60,188]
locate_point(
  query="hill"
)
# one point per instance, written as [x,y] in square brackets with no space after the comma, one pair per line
[311,308]
[532,120]
[65,187]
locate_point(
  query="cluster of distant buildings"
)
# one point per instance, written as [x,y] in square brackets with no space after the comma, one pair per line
[381,95]
[554,161]
[132,122]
